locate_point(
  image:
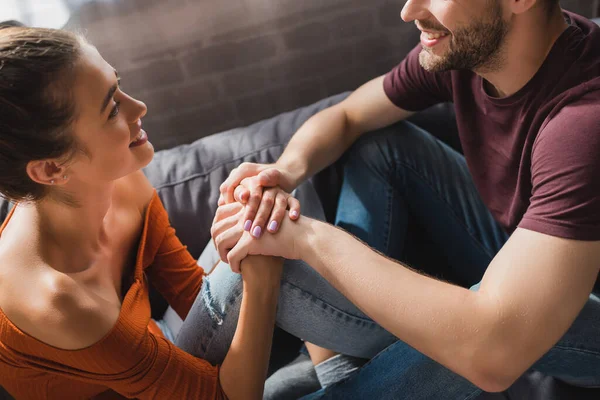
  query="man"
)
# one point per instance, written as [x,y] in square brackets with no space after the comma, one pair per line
[519,213]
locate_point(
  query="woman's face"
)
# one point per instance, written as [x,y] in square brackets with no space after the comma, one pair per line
[108,124]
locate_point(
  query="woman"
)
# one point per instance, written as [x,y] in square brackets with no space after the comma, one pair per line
[89,234]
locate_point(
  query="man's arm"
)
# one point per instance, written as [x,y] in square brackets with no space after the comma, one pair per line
[530,295]
[328,134]
[317,144]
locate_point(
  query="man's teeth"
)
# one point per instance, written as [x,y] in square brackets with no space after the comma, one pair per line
[432,36]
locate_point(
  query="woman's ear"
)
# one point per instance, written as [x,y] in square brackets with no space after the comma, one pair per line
[46,172]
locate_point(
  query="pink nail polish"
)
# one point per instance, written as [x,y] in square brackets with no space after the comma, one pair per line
[256,232]
[295,214]
[247,225]
[273,226]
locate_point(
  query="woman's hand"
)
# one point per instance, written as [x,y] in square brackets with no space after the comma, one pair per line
[285,243]
[227,228]
[273,204]
[265,208]
[228,233]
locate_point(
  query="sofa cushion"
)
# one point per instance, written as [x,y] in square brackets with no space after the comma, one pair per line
[188,177]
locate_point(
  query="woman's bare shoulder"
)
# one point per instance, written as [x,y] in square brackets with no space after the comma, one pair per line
[55,310]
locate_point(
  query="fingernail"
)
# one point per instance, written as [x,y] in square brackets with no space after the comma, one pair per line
[273,226]
[247,225]
[256,232]
[295,214]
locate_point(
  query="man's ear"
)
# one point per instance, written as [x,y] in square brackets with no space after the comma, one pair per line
[46,172]
[521,6]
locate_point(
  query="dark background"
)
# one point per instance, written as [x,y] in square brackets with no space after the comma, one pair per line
[203,66]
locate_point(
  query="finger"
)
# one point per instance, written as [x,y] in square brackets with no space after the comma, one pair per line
[237,254]
[228,240]
[252,205]
[278,213]
[294,206]
[221,200]
[241,194]
[244,170]
[227,210]
[221,226]
[264,212]
[249,182]
[269,178]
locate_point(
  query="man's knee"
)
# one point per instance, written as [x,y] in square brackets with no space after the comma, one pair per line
[390,144]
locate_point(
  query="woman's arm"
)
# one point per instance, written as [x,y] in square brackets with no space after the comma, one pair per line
[244,370]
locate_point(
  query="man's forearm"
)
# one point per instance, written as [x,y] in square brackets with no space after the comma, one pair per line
[450,324]
[317,144]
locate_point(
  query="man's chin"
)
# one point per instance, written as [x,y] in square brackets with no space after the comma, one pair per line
[431,62]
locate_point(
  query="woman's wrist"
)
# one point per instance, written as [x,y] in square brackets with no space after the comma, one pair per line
[261,274]
[305,238]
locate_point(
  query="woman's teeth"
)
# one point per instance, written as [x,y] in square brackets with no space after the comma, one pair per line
[432,36]
[138,137]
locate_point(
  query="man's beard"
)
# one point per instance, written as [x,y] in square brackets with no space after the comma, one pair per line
[475,47]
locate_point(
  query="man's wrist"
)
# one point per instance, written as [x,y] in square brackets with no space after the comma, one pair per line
[296,172]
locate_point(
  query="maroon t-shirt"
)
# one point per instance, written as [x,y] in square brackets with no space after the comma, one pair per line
[534,156]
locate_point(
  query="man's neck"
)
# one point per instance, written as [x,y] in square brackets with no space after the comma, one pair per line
[526,47]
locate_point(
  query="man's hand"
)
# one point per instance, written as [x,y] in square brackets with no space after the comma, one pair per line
[269,175]
[265,209]
[246,184]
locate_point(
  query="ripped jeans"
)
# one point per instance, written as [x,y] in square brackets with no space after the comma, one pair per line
[309,308]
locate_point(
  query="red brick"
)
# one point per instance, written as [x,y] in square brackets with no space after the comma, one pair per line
[228,56]
[193,124]
[360,23]
[268,104]
[348,80]
[181,97]
[245,81]
[307,37]
[312,65]
[160,72]
[277,24]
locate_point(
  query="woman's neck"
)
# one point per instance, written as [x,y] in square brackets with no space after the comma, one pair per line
[80,229]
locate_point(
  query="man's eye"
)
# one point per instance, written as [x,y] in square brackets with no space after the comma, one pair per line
[115,110]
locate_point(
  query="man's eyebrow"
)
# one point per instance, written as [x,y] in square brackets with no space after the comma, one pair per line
[110,94]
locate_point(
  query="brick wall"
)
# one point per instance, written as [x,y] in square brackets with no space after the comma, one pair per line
[203,66]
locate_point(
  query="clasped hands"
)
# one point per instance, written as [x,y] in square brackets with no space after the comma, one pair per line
[250,219]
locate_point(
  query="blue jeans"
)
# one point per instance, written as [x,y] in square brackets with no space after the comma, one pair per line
[400,178]
[309,308]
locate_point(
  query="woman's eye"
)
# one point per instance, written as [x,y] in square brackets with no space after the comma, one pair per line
[115,110]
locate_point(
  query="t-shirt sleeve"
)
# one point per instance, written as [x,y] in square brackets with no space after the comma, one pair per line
[412,88]
[565,168]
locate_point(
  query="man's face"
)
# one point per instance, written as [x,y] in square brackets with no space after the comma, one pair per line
[459,34]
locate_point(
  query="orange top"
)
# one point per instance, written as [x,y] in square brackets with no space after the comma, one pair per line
[133,360]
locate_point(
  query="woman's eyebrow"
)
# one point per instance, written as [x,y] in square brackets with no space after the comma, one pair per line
[110,94]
